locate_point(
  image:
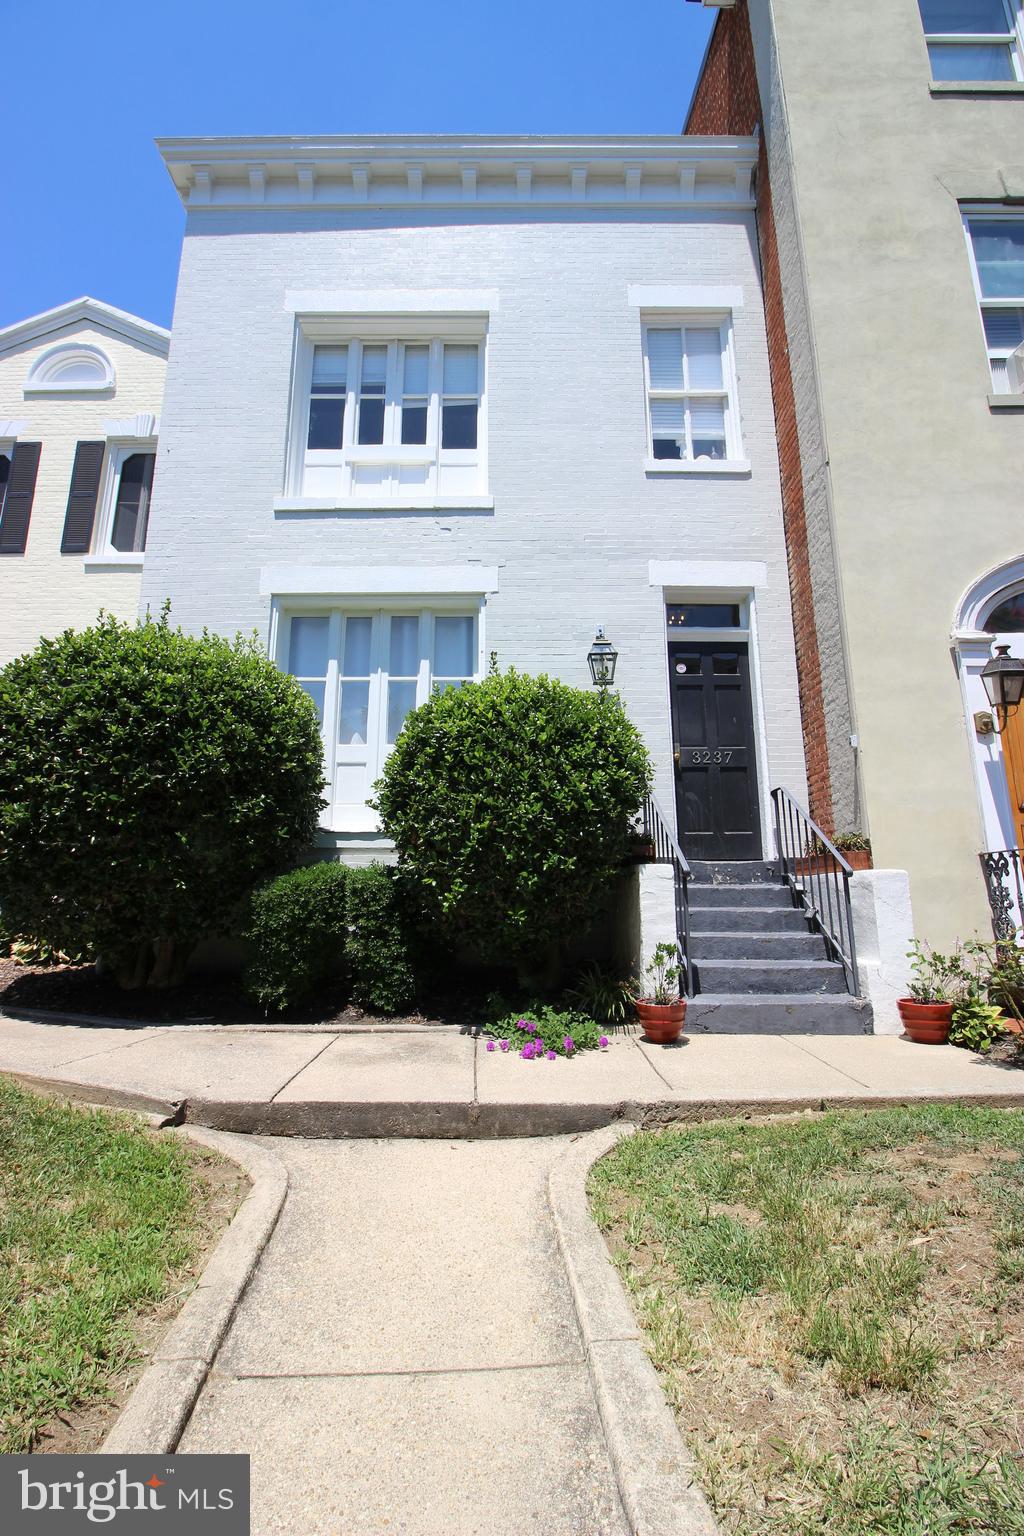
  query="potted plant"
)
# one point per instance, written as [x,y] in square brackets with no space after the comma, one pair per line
[660,1009]
[855,849]
[939,983]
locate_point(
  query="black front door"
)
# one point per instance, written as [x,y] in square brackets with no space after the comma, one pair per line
[713,745]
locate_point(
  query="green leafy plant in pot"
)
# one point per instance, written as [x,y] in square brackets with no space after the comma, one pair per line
[660,1009]
[940,981]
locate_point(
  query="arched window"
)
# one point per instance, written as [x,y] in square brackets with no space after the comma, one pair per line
[1007,617]
[72,368]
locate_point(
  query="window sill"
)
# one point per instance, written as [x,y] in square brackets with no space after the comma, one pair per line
[697,466]
[113,562]
[1006,402]
[977,87]
[408,503]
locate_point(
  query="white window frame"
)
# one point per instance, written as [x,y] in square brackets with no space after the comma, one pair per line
[734,461]
[1012,38]
[350,816]
[995,213]
[433,331]
[103,552]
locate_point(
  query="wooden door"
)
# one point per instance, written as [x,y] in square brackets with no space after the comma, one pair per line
[717,807]
[1013,762]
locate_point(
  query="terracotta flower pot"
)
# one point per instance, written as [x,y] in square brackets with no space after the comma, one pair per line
[857,858]
[662,1022]
[927,1023]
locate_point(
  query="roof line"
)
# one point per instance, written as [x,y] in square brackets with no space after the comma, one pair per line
[105,316]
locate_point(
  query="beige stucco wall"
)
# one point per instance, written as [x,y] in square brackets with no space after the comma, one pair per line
[42,591]
[926,479]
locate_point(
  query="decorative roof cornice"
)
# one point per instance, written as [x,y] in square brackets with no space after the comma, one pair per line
[86,311]
[640,172]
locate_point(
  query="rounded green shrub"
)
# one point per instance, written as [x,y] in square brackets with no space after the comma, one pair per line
[296,932]
[509,801]
[380,940]
[148,779]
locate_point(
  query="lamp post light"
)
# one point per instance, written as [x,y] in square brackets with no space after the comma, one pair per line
[1003,677]
[602,657]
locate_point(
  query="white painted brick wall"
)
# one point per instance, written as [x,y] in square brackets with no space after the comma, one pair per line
[575,519]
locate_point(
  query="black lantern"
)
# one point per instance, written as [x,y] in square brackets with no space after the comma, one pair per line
[1003,677]
[602,657]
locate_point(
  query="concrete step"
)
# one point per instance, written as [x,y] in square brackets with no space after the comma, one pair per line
[784,1014]
[748,919]
[765,895]
[770,976]
[743,945]
[734,871]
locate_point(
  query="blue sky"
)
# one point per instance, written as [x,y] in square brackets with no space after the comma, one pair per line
[88,206]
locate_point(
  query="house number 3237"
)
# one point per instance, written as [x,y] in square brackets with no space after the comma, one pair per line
[706,755]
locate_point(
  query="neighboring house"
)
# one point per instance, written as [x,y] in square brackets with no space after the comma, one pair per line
[434,399]
[891,220]
[80,395]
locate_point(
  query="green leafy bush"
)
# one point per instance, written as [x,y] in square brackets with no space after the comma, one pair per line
[602,995]
[976,1025]
[148,779]
[509,801]
[542,1031]
[297,929]
[380,939]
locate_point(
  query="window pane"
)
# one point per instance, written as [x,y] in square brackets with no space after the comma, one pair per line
[415,381]
[375,365]
[330,368]
[707,418]
[355,705]
[316,693]
[458,425]
[371,421]
[131,508]
[307,647]
[703,615]
[1004,327]
[371,403]
[666,417]
[401,698]
[725,664]
[963,61]
[999,252]
[1008,618]
[404,660]
[668,448]
[357,647]
[665,357]
[704,358]
[453,647]
[460,370]
[326,418]
[964,15]
[414,423]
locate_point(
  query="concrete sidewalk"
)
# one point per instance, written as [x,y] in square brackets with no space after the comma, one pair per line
[436,1081]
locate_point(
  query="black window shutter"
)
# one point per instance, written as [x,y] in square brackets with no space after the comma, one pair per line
[85,486]
[21,488]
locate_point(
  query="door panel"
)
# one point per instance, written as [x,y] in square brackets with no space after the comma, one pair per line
[713,738]
[1013,760]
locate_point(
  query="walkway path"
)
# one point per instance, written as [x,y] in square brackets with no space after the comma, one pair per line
[407,1357]
[440,1082]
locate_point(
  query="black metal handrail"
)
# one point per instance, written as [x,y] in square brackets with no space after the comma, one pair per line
[1005,887]
[819,879]
[657,834]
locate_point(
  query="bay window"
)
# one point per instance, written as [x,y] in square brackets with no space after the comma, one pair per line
[365,669]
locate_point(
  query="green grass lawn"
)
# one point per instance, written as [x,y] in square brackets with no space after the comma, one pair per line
[98,1222]
[836,1308]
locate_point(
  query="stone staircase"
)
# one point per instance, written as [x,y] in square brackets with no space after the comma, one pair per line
[759,967]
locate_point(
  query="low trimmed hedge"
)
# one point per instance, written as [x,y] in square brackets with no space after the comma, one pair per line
[297,930]
[380,943]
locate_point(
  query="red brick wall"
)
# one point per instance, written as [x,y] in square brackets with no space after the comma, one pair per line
[727,101]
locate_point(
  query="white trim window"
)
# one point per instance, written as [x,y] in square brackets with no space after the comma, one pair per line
[125,501]
[690,379]
[995,239]
[365,669]
[973,40]
[389,417]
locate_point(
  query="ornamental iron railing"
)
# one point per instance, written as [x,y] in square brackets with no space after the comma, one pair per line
[1003,883]
[819,880]
[662,848]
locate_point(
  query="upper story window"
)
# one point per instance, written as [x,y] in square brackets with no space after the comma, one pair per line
[973,39]
[72,368]
[996,241]
[390,418]
[691,390]
[130,514]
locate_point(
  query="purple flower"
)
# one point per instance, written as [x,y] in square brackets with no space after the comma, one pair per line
[526,1052]
[530,1028]
[569,1043]
[504,1045]
[551,1055]
[520,1024]
[603,1041]
[490,1045]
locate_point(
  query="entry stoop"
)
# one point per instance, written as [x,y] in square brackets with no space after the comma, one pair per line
[759,966]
